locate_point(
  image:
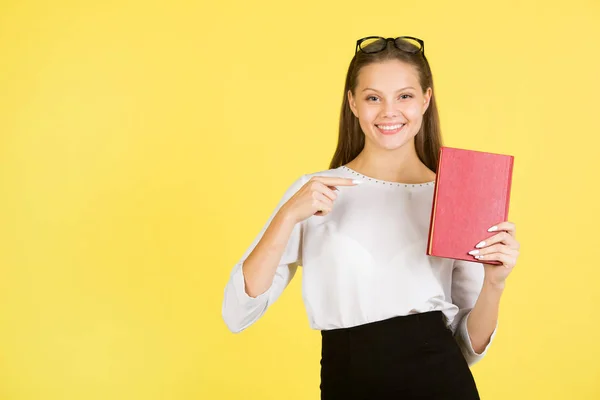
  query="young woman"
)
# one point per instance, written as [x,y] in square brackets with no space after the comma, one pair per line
[395,323]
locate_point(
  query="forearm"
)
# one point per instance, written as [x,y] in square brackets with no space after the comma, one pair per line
[261,264]
[484,317]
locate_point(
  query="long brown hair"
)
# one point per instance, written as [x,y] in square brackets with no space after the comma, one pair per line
[351,139]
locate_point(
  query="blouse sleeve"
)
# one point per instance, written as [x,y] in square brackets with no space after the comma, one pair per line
[467,280]
[240,310]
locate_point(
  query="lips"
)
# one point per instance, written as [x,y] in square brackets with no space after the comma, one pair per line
[390,129]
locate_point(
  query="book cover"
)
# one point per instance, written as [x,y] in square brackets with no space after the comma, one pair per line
[471,194]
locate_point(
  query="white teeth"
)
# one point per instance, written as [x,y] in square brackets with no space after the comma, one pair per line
[390,128]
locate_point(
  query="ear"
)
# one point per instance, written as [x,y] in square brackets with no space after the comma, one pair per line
[427,99]
[352,103]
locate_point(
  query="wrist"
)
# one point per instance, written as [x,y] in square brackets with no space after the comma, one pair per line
[493,285]
[285,217]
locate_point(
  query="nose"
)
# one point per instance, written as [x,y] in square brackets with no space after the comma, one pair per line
[390,110]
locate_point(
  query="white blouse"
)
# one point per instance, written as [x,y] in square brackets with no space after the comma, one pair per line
[364,262]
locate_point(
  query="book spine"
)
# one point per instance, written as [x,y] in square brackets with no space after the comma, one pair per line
[508,186]
[433,203]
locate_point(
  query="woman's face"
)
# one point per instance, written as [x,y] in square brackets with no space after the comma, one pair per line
[389,103]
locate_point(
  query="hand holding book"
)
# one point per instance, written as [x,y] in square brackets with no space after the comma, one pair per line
[503,247]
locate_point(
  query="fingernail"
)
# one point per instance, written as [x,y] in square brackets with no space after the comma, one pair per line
[493,228]
[480,244]
[478,257]
[357,181]
[474,252]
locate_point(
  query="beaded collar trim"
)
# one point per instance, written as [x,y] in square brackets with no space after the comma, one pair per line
[386,183]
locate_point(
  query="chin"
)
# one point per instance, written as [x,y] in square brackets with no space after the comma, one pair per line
[391,143]
[392,148]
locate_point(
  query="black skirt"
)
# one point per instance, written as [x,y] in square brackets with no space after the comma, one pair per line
[408,357]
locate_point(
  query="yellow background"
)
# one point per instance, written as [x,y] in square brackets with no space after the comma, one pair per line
[143,145]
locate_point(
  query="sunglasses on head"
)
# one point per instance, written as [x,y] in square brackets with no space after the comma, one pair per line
[374,44]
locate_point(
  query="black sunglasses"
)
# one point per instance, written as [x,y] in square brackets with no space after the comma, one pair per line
[374,44]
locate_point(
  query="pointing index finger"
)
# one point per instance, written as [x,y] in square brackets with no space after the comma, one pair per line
[337,181]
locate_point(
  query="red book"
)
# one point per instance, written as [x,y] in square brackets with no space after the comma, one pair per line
[471,194]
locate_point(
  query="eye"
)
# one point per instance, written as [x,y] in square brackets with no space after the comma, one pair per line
[406,96]
[371,97]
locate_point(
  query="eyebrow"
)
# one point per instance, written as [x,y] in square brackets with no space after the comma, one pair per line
[399,90]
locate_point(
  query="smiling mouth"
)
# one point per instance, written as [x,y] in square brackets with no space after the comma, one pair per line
[390,129]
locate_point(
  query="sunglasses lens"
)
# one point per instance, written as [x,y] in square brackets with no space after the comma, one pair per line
[408,45]
[373,45]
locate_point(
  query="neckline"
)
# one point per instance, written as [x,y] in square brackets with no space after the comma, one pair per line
[386,183]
